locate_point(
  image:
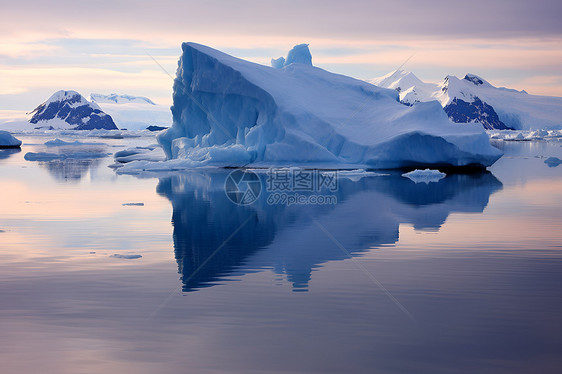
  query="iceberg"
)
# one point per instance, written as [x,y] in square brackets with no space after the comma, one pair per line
[228,112]
[7,140]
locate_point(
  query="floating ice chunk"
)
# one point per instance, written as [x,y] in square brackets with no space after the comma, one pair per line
[126,257]
[61,143]
[7,140]
[117,134]
[47,156]
[426,176]
[553,161]
[43,156]
[150,153]
[154,128]
[358,174]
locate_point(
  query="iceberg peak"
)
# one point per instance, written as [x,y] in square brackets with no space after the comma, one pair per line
[299,54]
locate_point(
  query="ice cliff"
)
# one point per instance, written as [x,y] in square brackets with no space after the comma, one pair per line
[231,112]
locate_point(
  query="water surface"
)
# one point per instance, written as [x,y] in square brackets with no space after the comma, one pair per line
[458,276]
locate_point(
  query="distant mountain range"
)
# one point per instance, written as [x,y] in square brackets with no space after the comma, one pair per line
[134,112]
[119,99]
[70,110]
[473,99]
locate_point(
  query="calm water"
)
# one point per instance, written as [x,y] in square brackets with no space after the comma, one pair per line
[459,276]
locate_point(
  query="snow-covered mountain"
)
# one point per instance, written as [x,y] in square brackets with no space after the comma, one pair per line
[119,99]
[231,112]
[134,112]
[473,99]
[70,110]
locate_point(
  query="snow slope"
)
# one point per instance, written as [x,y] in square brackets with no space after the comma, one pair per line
[133,112]
[231,112]
[70,110]
[473,99]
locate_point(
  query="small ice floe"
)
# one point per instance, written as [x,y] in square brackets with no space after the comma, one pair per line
[133,204]
[117,134]
[126,257]
[7,140]
[426,176]
[553,161]
[357,174]
[156,128]
[47,156]
[61,143]
[525,135]
[149,153]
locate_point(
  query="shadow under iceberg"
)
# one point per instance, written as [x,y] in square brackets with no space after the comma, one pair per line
[215,239]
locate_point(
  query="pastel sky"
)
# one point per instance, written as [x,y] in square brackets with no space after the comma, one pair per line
[105,46]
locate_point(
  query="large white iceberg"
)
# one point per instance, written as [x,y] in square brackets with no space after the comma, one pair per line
[231,112]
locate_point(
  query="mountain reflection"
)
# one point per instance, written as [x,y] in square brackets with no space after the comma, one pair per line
[215,238]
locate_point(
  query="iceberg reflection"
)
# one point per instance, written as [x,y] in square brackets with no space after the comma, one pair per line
[7,152]
[215,238]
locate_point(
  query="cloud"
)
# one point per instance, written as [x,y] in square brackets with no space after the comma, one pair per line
[103,45]
[364,19]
